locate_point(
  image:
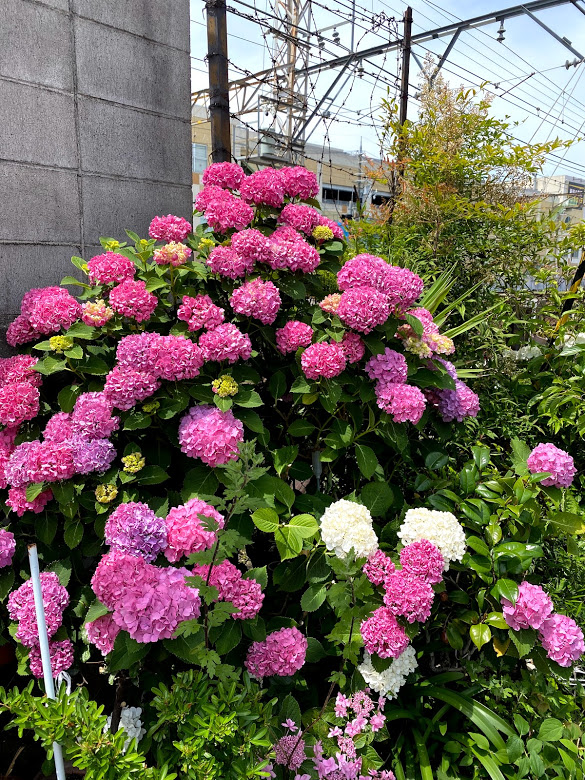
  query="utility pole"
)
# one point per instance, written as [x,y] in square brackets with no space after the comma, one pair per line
[219,94]
[405,70]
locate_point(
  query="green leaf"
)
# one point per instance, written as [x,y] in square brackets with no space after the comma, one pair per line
[454,637]
[313,597]
[229,637]
[304,525]
[366,460]
[68,396]
[480,635]
[569,523]
[284,457]
[75,353]
[524,640]
[62,569]
[260,574]
[79,330]
[378,497]
[94,365]
[199,481]
[300,427]
[277,385]
[550,730]
[514,748]
[33,490]
[248,399]
[251,419]
[96,610]
[506,589]
[496,619]
[520,453]
[79,262]
[415,324]
[436,460]
[288,542]
[73,280]
[266,520]
[46,527]
[481,457]
[126,653]
[187,648]
[468,479]
[301,385]
[6,583]
[290,710]
[318,569]
[136,420]
[151,475]
[73,533]
[50,365]
[478,545]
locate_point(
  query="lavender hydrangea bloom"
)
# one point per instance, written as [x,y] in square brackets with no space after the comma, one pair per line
[134,528]
[92,455]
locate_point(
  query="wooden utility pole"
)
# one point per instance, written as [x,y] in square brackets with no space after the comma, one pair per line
[405,70]
[219,94]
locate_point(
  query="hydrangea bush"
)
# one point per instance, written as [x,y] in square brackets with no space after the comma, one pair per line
[202,441]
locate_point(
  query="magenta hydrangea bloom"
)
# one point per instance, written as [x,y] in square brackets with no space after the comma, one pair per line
[186,533]
[562,639]
[457,404]
[289,751]
[178,358]
[325,359]
[139,351]
[174,253]
[299,182]
[257,299]
[132,299]
[207,433]
[20,331]
[18,402]
[404,403]
[402,287]
[169,228]
[363,271]
[110,268]
[333,227]
[264,187]
[125,387]
[60,653]
[21,607]
[408,596]
[19,368]
[531,609]
[7,437]
[363,308]
[36,461]
[200,312]
[58,428]
[226,342]
[353,347]
[299,217]
[293,335]
[383,635]
[226,175]
[245,594]
[289,250]
[378,567]
[226,262]
[282,653]
[208,195]
[7,547]
[548,458]
[115,573]
[135,529]
[252,246]
[225,212]
[422,559]
[92,417]
[102,633]
[50,309]
[19,468]
[390,366]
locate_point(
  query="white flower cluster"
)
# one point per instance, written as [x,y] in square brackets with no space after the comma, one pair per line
[441,528]
[345,525]
[131,723]
[391,680]
[526,353]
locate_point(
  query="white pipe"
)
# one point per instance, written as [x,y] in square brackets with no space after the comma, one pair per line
[44,645]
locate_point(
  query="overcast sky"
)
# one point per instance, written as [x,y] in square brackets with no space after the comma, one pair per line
[548,104]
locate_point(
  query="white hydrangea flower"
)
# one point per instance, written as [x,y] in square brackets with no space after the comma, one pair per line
[526,353]
[390,681]
[130,722]
[441,528]
[345,525]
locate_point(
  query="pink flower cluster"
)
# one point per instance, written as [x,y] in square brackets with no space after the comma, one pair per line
[401,286]
[378,567]
[19,401]
[146,601]
[408,595]
[102,633]
[383,635]
[293,335]
[344,766]
[19,368]
[454,404]
[282,653]
[264,188]
[422,559]
[226,175]
[200,312]
[185,531]
[390,367]
[131,299]
[300,183]
[135,529]
[21,607]
[223,211]
[226,262]
[404,403]
[225,342]
[257,299]
[96,313]
[110,268]
[173,253]
[169,228]
[353,347]
[7,547]
[363,308]
[548,458]
[531,609]
[43,311]
[207,433]
[325,359]
[299,217]
[252,246]
[19,503]
[245,594]
[289,250]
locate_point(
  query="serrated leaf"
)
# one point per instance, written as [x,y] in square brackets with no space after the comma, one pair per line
[301,427]
[520,453]
[266,520]
[284,457]
[313,597]
[230,635]
[33,490]
[260,574]
[290,710]
[523,640]
[151,475]
[378,497]
[199,481]
[96,610]
[304,525]
[79,330]
[568,523]
[73,533]
[366,460]
[550,730]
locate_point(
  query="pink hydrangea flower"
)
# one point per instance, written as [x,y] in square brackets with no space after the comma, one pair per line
[102,633]
[135,529]
[289,751]
[21,607]
[363,271]
[226,212]
[20,331]
[264,187]
[257,299]
[402,287]
[383,635]
[408,596]
[389,367]
[19,368]
[378,567]
[179,358]
[353,347]
[245,594]
[548,458]
[174,253]
[207,195]
[60,653]
[342,704]
[115,573]
[457,404]
[200,312]
[422,559]
[125,387]
[333,227]
[363,308]
[92,417]
[139,351]
[7,437]
[207,433]
[325,359]
[227,175]
[404,403]
[169,228]
[226,342]
[282,653]
[289,250]
[96,313]
[299,217]
[58,428]
[109,268]
[51,309]
[92,455]
[562,639]
[186,533]
[7,547]
[226,262]
[531,609]
[300,183]
[330,303]
[252,246]
[293,335]
[132,299]
[19,469]
[18,402]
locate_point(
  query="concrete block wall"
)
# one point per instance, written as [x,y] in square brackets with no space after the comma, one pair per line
[95,137]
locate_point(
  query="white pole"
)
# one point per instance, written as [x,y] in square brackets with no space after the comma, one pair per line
[44,645]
